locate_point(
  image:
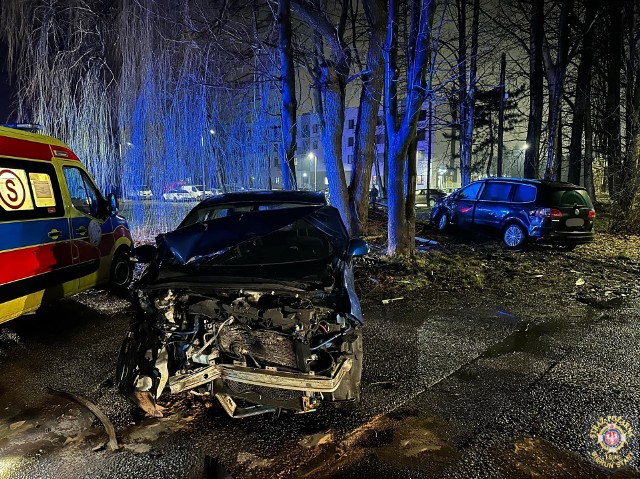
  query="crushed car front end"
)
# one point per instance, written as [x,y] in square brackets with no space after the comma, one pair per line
[257,309]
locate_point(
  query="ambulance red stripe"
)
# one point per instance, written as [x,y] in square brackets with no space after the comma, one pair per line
[19,148]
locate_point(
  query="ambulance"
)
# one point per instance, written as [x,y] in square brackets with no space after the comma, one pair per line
[58,234]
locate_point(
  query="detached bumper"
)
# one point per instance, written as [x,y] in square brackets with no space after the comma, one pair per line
[263,377]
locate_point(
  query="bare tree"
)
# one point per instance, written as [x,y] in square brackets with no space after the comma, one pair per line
[288,91]
[401,128]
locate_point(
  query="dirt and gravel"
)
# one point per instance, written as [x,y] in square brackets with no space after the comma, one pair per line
[493,363]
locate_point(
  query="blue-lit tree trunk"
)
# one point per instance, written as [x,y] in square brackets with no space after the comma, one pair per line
[331,79]
[365,143]
[288,90]
[401,131]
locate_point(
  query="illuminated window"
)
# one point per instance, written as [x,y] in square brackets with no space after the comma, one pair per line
[420,180]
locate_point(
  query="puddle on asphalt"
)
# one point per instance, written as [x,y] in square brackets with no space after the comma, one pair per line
[417,443]
[535,457]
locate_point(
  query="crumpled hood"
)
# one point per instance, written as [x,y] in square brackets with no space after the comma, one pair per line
[211,237]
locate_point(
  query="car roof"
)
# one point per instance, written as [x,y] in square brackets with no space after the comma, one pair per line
[267,196]
[548,183]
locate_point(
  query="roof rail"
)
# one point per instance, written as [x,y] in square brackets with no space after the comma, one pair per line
[31,127]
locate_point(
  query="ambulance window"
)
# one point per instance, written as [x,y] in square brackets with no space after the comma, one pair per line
[28,190]
[84,196]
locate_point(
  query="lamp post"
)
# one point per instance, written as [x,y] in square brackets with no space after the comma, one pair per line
[315,169]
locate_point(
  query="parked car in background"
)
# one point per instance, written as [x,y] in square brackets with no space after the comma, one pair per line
[177,195]
[142,192]
[187,193]
[434,195]
[520,210]
[251,299]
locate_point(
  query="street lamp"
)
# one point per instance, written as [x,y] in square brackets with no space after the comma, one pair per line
[315,169]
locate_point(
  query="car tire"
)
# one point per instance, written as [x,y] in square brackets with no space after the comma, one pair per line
[120,274]
[514,236]
[443,222]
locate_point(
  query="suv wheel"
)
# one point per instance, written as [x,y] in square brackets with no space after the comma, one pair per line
[443,222]
[514,236]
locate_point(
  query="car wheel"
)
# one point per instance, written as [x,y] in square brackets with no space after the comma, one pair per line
[514,236]
[120,274]
[443,222]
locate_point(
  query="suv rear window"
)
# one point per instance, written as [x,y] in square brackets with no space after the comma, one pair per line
[524,194]
[496,191]
[570,198]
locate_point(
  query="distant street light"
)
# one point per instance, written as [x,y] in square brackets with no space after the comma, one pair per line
[526,145]
[315,169]
[212,131]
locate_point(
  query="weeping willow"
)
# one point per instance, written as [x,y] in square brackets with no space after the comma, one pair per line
[137,92]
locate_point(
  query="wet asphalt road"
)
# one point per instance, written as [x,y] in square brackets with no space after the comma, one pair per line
[470,387]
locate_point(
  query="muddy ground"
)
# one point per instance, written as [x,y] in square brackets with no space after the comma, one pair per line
[493,363]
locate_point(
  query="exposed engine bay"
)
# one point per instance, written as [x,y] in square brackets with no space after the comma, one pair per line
[298,335]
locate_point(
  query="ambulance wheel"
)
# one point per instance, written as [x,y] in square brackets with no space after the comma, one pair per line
[121,273]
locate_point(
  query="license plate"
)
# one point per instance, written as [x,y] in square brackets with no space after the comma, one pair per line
[573,222]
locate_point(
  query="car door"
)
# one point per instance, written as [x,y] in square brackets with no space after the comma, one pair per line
[35,248]
[463,204]
[493,205]
[86,223]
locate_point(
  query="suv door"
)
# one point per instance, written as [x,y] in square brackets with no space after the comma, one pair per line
[86,220]
[462,206]
[494,205]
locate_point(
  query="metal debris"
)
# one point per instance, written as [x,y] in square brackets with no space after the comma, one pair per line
[111,431]
[391,300]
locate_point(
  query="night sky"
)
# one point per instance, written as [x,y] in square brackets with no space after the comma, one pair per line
[6,92]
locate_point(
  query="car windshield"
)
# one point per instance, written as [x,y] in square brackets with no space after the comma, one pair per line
[570,197]
[296,242]
[207,213]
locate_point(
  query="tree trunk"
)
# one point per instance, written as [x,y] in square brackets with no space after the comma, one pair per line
[557,171]
[583,83]
[556,73]
[365,144]
[288,89]
[588,151]
[333,103]
[503,68]
[401,133]
[412,176]
[465,154]
[611,122]
[536,92]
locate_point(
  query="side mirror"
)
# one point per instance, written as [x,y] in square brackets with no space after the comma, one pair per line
[112,204]
[358,247]
[143,253]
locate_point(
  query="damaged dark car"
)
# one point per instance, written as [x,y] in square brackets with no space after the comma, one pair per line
[251,300]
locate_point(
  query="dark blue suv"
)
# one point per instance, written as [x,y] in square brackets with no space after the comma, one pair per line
[520,210]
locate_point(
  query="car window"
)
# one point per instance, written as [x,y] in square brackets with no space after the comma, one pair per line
[469,192]
[496,191]
[524,194]
[208,213]
[571,198]
[84,196]
[28,190]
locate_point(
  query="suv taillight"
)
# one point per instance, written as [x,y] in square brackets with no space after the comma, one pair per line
[548,213]
[592,214]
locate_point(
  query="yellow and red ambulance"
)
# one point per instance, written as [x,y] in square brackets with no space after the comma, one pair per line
[58,234]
